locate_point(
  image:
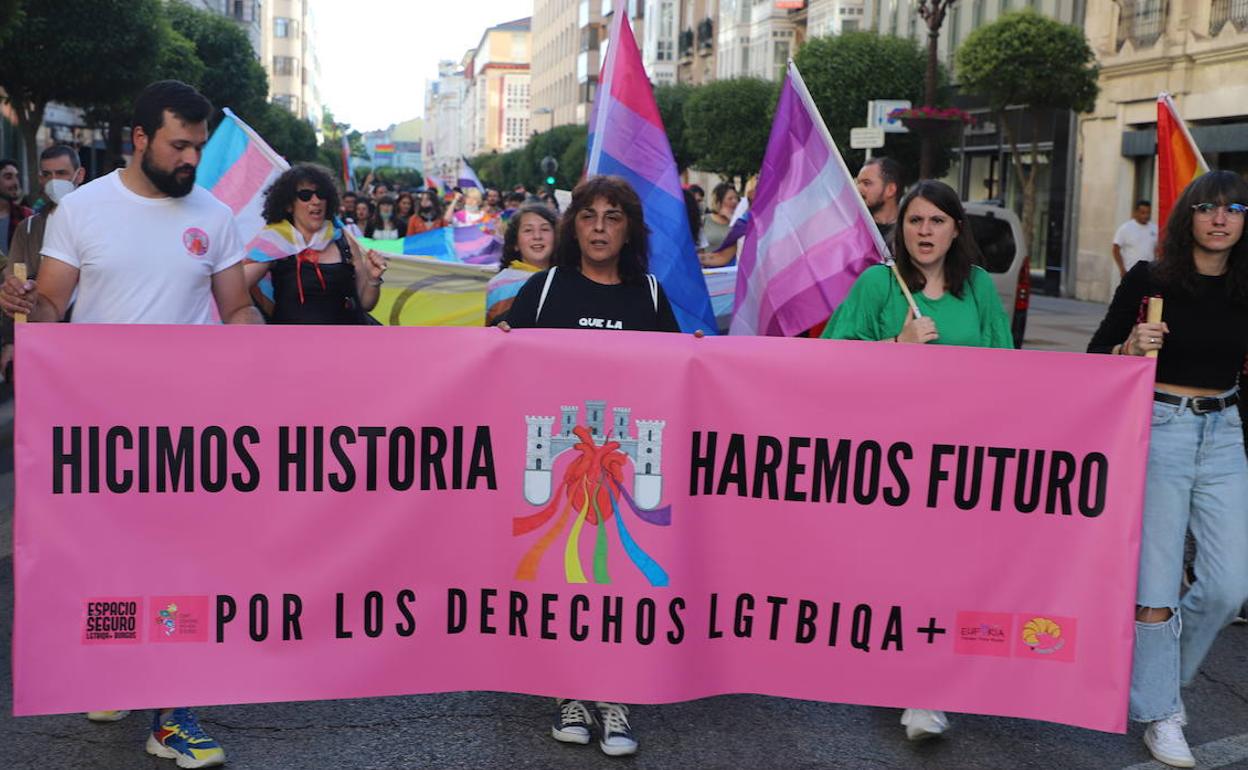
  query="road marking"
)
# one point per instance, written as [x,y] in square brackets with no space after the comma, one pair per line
[1218,753]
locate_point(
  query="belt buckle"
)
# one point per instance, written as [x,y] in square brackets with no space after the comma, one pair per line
[1198,404]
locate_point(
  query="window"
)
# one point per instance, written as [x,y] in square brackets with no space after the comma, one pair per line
[1141,22]
[284,65]
[283,27]
[1234,11]
[289,101]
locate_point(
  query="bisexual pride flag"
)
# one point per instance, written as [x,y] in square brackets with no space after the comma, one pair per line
[810,234]
[627,139]
[237,167]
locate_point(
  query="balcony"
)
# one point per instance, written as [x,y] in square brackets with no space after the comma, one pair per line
[1141,21]
[706,35]
[685,46]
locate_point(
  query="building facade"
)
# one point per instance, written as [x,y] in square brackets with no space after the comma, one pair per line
[983,169]
[1197,50]
[497,81]
[695,48]
[660,40]
[566,37]
[757,37]
[288,53]
[444,140]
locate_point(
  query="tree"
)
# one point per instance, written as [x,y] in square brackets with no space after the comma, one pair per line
[727,123]
[671,102]
[231,77]
[292,138]
[81,52]
[1024,58]
[844,72]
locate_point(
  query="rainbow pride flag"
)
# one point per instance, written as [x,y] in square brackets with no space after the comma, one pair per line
[627,139]
[1178,158]
[383,149]
[237,167]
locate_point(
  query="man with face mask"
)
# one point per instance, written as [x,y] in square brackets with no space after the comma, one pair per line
[145,245]
[59,173]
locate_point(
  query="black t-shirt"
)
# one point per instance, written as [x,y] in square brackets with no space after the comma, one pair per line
[576,302]
[1208,333]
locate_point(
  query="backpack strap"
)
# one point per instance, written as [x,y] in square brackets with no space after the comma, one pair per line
[550,276]
[654,290]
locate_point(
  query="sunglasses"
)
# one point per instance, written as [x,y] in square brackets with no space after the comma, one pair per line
[1232,209]
[305,195]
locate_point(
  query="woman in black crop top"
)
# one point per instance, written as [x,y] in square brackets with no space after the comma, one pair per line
[318,278]
[1197,474]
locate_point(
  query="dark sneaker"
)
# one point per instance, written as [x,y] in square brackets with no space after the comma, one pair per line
[573,723]
[617,735]
[179,736]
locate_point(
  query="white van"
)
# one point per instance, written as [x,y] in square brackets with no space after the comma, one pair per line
[999,235]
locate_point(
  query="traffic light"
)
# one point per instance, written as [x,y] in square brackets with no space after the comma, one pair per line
[549,166]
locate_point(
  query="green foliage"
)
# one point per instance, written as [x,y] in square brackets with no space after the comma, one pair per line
[572,162]
[844,72]
[726,125]
[231,77]
[1026,58]
[671,102]
[177,59]
[11,14]
[565,144]
[292,138]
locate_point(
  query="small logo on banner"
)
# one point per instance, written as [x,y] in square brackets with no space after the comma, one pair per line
[1048,637]
[179,619]
[984,633]
[112,620]
[612,472]
[195,241]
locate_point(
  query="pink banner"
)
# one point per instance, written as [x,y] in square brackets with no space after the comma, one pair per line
[292,513]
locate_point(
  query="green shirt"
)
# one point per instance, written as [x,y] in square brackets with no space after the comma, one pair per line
[876,310]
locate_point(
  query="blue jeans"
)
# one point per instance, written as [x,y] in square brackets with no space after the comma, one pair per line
[1197,478]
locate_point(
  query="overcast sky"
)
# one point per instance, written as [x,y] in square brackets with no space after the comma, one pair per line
[377,54]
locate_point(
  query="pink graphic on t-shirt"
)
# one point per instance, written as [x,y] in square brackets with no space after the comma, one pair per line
[196,241]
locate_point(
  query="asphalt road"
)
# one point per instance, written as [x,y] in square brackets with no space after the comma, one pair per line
[476,730]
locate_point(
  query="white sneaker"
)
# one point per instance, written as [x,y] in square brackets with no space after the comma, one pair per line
[573,723]
[922,724]
[1165,741]
[617,735]
[107,716]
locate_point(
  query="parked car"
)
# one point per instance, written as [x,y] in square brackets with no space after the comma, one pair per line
[1000,235]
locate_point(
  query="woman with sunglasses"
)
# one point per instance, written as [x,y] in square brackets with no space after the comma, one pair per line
[1197,475]
[318,278]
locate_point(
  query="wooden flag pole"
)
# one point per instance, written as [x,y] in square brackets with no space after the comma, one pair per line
[1154,316]
[892,265]
[19,271]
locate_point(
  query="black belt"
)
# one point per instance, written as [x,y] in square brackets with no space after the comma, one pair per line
[1198,404]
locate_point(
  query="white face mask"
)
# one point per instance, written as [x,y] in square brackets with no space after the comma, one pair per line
[57,189]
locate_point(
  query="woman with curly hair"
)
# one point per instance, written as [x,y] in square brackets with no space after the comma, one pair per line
[318,276]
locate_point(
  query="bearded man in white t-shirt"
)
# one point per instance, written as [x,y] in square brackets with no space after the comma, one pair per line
[145,245]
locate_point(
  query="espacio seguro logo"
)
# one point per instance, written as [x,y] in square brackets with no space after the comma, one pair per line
[593,489]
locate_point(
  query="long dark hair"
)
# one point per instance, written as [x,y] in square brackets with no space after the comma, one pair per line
[511,238]
[436,203]
[279,199]
[635,255]
[1177,267]
[963,252]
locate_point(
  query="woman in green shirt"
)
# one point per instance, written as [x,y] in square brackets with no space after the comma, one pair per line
[937,258]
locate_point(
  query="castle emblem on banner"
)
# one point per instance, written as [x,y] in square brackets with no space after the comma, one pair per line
[611,471]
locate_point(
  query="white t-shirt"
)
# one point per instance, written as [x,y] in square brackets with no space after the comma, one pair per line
[142,260]
[1136,242]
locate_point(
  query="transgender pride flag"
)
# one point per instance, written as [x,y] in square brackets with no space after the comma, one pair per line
[810,234]
[237,167]
[626,139]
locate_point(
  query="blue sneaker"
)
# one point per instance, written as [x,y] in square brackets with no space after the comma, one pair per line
[179,736]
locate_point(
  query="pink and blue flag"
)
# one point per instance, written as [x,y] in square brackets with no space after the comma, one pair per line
[627,139]
[477,244]
[810,234]
[237,167]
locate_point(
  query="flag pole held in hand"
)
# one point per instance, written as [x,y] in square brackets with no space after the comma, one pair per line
[892,265]
[19,271]
[1154,317]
